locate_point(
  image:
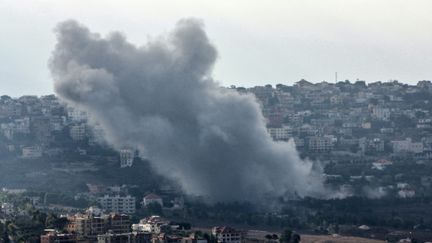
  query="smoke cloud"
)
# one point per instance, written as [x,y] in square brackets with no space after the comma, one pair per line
[161,99]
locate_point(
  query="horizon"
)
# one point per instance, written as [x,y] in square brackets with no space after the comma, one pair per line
[262,85]
[258,43]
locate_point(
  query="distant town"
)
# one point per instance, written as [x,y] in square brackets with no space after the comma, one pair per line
[61,182]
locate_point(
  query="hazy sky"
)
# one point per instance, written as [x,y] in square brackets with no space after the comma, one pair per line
[259,41]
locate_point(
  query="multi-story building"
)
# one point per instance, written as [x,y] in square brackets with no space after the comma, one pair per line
[320,144]
[126,158]
[225,234]
[381,113]
[118,204]
[280,133]
[119,223]
[92,225]
[407,146]
[78,132]
[76,115]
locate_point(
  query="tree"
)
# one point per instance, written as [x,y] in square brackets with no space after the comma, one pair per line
[286,236]
[3,233]
[210,238]
[295,238]
[52,221]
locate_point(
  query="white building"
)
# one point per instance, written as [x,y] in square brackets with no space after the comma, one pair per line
[31,152]
[118,204]
[153,224]
[320,144]
[22,125]
[381,113]
[7,208]
[126,158]
[78,132]
[152,198]
[407,146]
[280,133]
[76,115]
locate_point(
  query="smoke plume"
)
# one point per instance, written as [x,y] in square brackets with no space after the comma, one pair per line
[161,99]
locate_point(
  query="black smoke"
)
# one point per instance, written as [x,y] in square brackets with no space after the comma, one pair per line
[161,99]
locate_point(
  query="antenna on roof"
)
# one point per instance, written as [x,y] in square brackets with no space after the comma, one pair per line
[336,80]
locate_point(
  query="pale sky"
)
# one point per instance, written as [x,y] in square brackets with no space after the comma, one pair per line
[259,41]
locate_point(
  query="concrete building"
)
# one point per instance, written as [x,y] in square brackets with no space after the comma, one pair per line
[280,133]
[92,225]
[33,152]
[407,145]
[381,113]
[131,237]
[226,234]
[78,132]
[126,158]
[76,115]
[320,144]
[153,224]
[118,204]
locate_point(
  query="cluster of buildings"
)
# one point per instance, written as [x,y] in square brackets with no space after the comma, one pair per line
[118,200]
[388,118]
[29,125]
[95,226]
[357,125]
[385,118]
[331,122]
